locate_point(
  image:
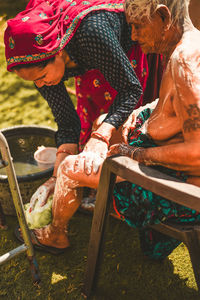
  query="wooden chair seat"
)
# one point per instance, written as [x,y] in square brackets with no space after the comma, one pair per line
[155,181]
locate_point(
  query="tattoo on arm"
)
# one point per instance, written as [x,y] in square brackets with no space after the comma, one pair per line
[193,121]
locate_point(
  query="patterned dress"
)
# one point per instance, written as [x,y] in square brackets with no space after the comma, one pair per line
[139,207]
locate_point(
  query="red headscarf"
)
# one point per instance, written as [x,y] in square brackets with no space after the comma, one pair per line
[45,27]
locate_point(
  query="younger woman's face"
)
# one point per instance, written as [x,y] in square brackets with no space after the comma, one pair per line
[49,75]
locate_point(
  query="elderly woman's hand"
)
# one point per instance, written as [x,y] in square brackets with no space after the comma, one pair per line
[129,124]
[131,121]
[122,149]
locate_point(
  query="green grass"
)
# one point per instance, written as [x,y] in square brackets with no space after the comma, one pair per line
[125,274]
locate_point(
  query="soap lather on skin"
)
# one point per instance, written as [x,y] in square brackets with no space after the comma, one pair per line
[39,216]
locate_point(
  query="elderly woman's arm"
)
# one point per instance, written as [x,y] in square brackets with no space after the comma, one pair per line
[182,155]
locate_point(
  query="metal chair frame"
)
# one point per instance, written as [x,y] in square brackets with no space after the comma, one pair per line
[7,163]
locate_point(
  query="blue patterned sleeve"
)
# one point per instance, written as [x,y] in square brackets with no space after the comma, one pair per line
[99,48]
[64,113]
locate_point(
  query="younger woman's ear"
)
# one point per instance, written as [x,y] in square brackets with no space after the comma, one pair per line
[165,15]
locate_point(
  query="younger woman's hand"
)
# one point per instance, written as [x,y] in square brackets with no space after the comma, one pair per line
[43,192]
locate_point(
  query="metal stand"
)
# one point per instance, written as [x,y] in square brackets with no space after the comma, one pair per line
[7,163]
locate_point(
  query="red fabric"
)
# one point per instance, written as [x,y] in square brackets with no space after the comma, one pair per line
[45,27]
[95,95]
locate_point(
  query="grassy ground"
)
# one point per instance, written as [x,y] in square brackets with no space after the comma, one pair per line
[125,274]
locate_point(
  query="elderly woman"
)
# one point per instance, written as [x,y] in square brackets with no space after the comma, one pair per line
[165,134]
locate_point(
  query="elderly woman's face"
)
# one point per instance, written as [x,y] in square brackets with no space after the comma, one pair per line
[149,33]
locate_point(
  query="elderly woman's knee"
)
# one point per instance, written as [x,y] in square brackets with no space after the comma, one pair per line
[66,165]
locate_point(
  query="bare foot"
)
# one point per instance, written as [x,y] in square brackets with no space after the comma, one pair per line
[52,236]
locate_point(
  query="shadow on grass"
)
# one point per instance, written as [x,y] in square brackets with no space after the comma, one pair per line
[125,274]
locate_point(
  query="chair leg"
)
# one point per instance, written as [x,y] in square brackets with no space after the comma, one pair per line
[193,245]
[95,248]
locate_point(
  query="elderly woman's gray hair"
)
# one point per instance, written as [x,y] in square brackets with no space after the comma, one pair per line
[137,9]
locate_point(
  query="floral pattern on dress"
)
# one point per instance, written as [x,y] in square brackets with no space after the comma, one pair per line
[107,96]
[25,19]
[96,83]
[134,63]
[39,39]
[78,81]
[144,72]
[43,15]
[11,43]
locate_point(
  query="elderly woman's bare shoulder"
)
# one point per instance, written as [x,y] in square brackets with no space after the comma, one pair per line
[187,50]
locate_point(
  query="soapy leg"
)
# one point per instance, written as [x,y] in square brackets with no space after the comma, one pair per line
[66,200]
